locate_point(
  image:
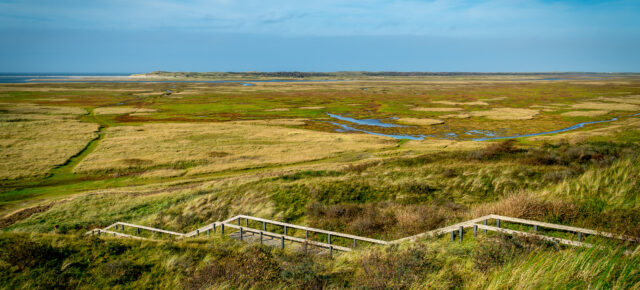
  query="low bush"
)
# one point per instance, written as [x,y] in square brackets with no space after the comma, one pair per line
[495,251]
[394,268]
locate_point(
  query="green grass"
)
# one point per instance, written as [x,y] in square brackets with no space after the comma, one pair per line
[588,182]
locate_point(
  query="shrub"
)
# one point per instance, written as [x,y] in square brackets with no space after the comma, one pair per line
[394,268]
[495,150]
[255,267]
[495,251]
[121,271]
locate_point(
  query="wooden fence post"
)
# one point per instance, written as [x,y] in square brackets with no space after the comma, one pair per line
[214,228]
[535,228]
[197,233]
[498,223]
[453,236]
[261,238]
[221,229]
[137,231]
[264,226]
[246,222]
[241,232]
[475,231]
[579,237]
[354,243]
[306,234]
[282,242]
[285,230]
[330,250]
[329,239]
[460,232]
[485,223]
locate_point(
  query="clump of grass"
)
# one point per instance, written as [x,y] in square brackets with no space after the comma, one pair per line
[387,220]
[596,268]
[394,268]
[494,251]
[495,150]
[527,206]
[254,267]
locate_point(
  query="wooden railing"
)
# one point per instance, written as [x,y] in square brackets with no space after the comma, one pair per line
[481,223]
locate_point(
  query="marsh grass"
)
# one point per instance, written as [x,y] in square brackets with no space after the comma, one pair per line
[34,139]
[218,151]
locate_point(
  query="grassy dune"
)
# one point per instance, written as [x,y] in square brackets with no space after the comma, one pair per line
[210,151]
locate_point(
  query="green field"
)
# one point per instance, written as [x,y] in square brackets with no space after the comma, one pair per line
[76,156]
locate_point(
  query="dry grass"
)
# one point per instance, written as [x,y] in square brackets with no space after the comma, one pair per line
[163,173]
[627,100]
[585,113]
[494,99]
[10,108]
[425,109]
[524,205]
[419,122]
[248,145]
[34,139]
[458,116]
[272,122]
[506,114]
[277,110]
[475,103]
[606,106]
[121,110]
[312,108]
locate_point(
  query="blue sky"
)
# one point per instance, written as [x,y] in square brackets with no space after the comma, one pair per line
[326,35]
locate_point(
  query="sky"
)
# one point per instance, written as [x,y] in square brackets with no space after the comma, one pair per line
[136,36]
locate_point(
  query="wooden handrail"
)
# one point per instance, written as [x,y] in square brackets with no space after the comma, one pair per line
[542,237]
[290,238]
[456,227]
[565,228]
[293,226]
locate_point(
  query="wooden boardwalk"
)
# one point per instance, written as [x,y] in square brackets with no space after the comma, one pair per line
[279,234]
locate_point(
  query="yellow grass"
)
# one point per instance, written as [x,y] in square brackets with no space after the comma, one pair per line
[476,103]
[425,109]
[285,122]
[459,116]
[585,113]
[163,173]
[277,110]
[506,114]
[625,125]
[627,100]
[419,122]
[121,110]
[26,108]
[606,106]
[494,99]
[220,146]
[34,139]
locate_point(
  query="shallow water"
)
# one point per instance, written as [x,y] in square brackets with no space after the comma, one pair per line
[80,77]
[366,122]
[346,128]
[490,135]
[576,126]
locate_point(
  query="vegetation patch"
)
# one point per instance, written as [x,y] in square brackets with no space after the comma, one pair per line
[506,114]
[121,110]
[606,106]
[420,122]
[591,113]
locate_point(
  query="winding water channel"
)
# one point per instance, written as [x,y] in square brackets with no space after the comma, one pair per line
[489,135]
